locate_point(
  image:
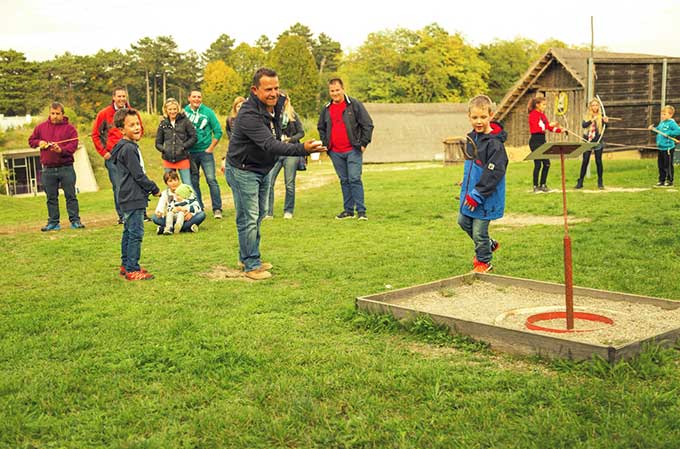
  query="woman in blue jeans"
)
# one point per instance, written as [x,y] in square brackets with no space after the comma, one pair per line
[292,133]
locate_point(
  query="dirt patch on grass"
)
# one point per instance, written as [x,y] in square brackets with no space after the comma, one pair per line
[221,273]
[518,220]
[510,306]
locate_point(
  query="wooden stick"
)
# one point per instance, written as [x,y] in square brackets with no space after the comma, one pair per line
[665,135]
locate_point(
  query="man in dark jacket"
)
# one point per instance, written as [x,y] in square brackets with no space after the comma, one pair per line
[253,149]
[346,129]
[56,158]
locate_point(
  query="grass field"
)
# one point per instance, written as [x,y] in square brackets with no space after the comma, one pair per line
[88,360]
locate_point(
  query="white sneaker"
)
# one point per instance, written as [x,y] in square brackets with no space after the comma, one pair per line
[287,215]
[167,231]
[194,228]
[218,214]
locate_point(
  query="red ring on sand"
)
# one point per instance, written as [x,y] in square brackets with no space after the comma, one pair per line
[557,315]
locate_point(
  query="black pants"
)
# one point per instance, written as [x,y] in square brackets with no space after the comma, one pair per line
[598,163]
[665,163]
[536,141]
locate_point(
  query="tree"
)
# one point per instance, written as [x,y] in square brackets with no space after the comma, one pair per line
[295,66]
[246,60]
[20,87]
[156,59]
[221,84]
[429,65]
[264,44]
[327,53]
[509,60]
[220,50]
[300,30]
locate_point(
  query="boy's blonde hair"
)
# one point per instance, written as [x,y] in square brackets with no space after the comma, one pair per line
[669,108]
[481,102]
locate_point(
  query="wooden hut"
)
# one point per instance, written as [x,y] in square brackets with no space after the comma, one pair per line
[632,88]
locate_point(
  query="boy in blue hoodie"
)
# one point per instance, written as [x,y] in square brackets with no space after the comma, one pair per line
[666,130]
[482,194]
[133,192]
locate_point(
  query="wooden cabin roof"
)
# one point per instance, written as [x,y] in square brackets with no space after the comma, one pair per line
[575,62]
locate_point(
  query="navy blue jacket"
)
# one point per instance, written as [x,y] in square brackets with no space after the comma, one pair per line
[484,176]
[134,186]
[255,141]
[358,123]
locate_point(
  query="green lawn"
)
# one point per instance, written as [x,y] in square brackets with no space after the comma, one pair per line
[88,360]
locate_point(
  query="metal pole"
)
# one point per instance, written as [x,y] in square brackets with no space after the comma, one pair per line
[568,274]
[664,79]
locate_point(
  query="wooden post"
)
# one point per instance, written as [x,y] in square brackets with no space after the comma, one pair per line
[664,79]
[568,274]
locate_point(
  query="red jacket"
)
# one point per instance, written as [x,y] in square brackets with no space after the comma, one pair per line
[104,134]
[538,123]
[50,132]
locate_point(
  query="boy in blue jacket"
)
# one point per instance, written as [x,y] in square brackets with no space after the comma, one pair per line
[482,194]
[133,192]
[666,130]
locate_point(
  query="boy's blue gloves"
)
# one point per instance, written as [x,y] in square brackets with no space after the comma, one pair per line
[473,200]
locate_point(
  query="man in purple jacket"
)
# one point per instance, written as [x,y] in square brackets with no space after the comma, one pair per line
[57,140]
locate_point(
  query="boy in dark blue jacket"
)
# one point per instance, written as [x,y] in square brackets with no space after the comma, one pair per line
[482,194]
[133,192]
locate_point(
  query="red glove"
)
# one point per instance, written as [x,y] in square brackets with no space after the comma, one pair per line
[470,202]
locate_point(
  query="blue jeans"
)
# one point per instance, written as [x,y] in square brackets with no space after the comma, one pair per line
[250,192]
[207,162]
[348,168]
[478,230]
[184,174]
[113,177]
[196,219]
[52,177]
[289,164]
[131,243]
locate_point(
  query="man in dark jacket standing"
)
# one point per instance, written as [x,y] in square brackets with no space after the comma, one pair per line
[346,129]
[253,149]
[57,165]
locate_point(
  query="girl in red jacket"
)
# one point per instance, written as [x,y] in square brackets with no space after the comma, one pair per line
[538,124]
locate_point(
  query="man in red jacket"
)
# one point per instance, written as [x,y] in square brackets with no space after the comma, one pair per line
[105,136]
[57,140]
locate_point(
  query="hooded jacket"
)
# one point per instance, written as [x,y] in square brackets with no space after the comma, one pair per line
[670,128]
[55,132]
[174,141]
[484,176]
[255,141]
[105,135]
[358,123]
[134,186]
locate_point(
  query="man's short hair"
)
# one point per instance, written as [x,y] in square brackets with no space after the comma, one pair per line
[482,102]
[57,105]
[263,71]
[195,89]
[172,174]
[119,116]
[116,89]
[669,108]
[336,80]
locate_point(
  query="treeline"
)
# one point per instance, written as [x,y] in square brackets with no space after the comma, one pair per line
[393,66]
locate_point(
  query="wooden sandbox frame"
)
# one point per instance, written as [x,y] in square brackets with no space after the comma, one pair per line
[522,341]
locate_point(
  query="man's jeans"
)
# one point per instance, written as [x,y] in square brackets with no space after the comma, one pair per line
[348,168]
[207,162]
[250,192]
[131,243]
[113,177]
[478,230]
[195,219]
[289,164]
[52,177]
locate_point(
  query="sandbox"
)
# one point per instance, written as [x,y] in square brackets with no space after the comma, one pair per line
[499,310]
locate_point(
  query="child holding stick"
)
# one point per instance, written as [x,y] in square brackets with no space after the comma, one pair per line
[538,124]
[666,130]
[594,124]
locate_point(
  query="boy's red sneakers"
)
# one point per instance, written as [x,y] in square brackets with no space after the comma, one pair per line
[481,267]
[123,271]
[138,276]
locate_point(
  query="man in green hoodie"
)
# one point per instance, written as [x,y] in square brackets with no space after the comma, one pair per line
[208,133]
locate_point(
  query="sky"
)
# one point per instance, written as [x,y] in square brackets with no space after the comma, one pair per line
[43,29]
